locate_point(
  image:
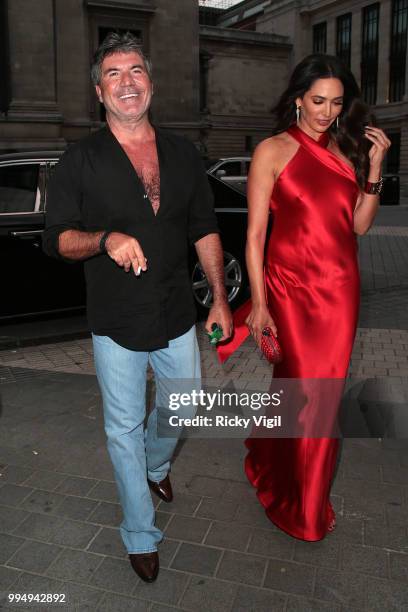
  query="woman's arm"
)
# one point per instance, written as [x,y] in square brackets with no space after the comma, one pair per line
[367,204]
[260,185]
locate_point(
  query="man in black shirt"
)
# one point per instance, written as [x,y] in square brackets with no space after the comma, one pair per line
[129,200]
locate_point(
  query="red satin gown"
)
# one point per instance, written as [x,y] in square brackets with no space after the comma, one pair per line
[313,288]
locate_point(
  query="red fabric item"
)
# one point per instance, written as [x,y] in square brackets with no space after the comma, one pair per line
[241,333]
[313,290]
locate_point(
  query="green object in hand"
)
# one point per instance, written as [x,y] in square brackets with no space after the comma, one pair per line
[216,334]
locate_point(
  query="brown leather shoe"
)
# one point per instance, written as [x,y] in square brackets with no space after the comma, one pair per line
[162,489]
[146,565]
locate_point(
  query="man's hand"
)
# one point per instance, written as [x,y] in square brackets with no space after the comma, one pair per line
[220,313]
[211,257]
[126,252]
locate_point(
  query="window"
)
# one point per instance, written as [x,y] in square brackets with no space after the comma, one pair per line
[20,189]
[4,63]
[398,56]
[249,143]
[392,160]
[228,193]
[343,43]
[229,168]
[320,38]
[369,53]
[104,31]
[204,67]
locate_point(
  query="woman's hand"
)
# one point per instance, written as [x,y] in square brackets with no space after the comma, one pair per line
[257,320]
[381,144]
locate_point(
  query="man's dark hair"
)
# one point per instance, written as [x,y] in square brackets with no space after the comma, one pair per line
[117,43]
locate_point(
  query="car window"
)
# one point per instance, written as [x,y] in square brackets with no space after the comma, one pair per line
[228,195]
[50,171]
[232,168]
[51,167]
[20,189]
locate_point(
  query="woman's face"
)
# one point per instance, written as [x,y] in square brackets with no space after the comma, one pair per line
[321,105]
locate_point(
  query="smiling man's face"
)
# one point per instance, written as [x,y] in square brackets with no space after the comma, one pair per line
[125,88]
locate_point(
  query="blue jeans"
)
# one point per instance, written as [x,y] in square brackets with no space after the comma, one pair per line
[137,452]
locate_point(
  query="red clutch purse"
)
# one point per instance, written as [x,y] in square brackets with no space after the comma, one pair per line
[270,346]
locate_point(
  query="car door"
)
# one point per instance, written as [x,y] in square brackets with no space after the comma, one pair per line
[229,170]
[31,282]
[231,210]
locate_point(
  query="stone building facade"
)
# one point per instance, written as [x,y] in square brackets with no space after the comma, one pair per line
[242,74]
[46,97]
[370,36]
[217,73]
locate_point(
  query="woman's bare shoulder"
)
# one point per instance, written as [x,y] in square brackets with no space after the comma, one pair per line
[274,153]
[275,145]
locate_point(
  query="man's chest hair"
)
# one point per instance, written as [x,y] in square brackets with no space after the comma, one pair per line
[146,163]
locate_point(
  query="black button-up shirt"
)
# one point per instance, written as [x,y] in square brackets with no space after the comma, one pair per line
[95,187]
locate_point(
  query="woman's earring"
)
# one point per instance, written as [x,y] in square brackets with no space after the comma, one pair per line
[337,122]
[297,114]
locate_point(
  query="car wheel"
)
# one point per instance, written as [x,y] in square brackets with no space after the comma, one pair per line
[234,281]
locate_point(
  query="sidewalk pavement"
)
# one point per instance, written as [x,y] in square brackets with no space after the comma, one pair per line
[59,512]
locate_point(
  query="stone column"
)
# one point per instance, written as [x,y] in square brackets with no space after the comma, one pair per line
[73,61]
[32,60]
[174,49]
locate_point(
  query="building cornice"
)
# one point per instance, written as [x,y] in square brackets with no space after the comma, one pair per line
[229,35]
[282,7]
[243,11]
[312,6]
[394,111]
[141,6]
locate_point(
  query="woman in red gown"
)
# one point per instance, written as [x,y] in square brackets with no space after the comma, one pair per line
[319,176]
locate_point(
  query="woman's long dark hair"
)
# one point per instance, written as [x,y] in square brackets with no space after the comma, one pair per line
[354,116]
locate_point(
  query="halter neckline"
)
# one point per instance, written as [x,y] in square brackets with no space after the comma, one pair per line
[319,149]
[323,139]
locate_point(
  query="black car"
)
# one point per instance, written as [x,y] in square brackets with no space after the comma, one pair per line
[36,284]
[231,209]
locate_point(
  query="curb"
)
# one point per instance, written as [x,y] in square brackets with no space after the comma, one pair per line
[10,342]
